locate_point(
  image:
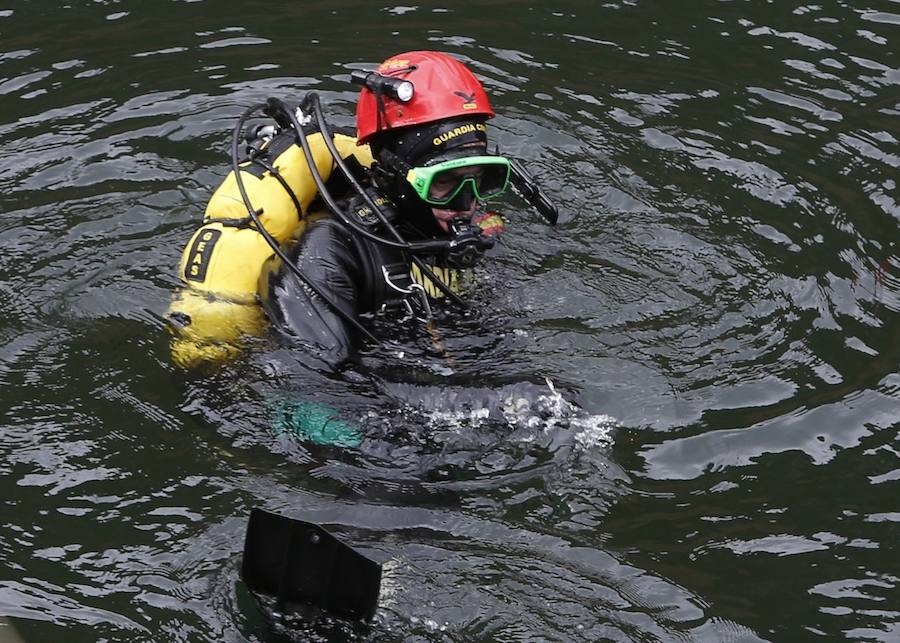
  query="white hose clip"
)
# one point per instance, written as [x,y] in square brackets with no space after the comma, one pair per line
[303,119]
[415,298]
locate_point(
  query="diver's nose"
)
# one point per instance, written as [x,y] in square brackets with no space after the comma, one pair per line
[464,200]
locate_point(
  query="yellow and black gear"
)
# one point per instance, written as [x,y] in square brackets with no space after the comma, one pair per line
[222,263]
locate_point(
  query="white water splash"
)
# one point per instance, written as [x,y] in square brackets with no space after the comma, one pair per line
[596,431]
[544,413]
[461,419]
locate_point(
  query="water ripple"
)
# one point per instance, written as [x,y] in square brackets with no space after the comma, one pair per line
[717,311]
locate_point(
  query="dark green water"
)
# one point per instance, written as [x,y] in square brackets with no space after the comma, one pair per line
[718,311]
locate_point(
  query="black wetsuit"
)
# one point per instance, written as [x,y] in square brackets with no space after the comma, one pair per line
[356,275]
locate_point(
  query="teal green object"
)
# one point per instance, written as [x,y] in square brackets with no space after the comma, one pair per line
[314,422]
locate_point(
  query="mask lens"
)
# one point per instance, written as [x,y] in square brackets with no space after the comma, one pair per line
[492,181]
[486,177]
[446,184]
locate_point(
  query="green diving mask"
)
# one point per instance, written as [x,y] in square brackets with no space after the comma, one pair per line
[440,184]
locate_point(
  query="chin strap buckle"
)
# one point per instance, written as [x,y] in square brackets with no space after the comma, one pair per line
[415,299]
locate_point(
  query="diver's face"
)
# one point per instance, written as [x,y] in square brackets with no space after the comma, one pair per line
[443,185]
[446,182]
[444,217]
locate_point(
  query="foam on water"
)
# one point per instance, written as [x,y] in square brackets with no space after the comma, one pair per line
[519,408]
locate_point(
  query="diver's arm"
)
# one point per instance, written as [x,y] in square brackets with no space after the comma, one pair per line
[326,257]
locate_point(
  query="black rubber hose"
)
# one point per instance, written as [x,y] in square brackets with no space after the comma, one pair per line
[273,243]
[313,98]
[425,247]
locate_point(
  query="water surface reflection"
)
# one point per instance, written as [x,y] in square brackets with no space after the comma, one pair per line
[714,456]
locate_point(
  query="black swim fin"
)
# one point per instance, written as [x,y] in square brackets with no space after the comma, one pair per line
[299,563]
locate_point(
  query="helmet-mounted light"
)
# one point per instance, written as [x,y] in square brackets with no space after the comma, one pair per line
[398,88]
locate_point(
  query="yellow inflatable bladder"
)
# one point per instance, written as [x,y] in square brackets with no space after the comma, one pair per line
[222,262]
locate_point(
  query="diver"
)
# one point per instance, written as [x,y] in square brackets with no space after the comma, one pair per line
[389,230]
[423,115]
[324,228]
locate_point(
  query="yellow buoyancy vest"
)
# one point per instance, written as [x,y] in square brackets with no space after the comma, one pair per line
[222,262]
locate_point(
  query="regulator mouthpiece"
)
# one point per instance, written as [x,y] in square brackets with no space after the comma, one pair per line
[468,245]
[397,88]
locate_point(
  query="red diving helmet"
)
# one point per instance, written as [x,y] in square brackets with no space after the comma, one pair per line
[415,88]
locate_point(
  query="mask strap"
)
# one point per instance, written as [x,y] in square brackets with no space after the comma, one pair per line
[395,162]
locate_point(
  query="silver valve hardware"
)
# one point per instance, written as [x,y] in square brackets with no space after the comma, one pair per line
[258,138]
[283,116]
[402,90]
[304,119]
[265,131]
[415,298]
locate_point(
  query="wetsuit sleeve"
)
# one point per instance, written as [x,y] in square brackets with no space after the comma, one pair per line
[327,257]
